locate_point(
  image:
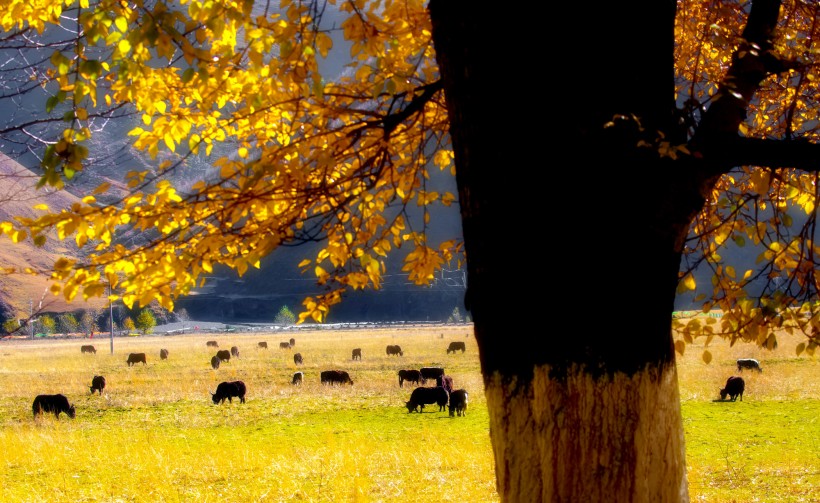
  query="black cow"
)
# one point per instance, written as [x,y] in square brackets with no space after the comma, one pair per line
[134,358]
[430,373]
[455,346]
[409,375]
[445,382]
[297,358]
[734,388]
[394,349]
[97,384]
[88,348]
[748,363]
[229,390]
[357,354]
[262,345]
[427,395]
[163,354]
[235,351]
[298,377]
[53,404]
[215,362]
[458,402]
[332,377]
[212,344]
[224,355]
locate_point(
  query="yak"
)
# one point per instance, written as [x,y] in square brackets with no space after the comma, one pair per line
[430,373]
[262,345]
[212,344]
[298,377]
[52,404]
[235,351]
[445,382]
[229,390]
[134,358]
[394,349]
[458,402]
[297,358]
[97,384]
[224,355]
[409,375]
[163,354]
[357,354]
[427,395]
[733,389]
[284,345]
[215,362]
[455,346]
[332,377]
[88,348]
[292,342]
[748,363]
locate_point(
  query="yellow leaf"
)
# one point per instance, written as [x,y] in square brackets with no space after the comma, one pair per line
[707,357]
[680,347]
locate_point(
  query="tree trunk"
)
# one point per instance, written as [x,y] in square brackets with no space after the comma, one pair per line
[560,200]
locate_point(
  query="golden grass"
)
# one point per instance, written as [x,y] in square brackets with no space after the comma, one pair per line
[155,435]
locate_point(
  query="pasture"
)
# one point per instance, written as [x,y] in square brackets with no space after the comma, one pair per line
[155,435]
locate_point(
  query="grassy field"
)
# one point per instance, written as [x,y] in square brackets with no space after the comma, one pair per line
[155,436]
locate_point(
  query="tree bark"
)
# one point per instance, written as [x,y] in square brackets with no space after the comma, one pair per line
[590,413]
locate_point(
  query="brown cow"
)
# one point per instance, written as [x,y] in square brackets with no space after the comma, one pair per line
[332,377]
[297,358]
[224,355]
[409,375]
[455,346]
[394,349]
[212,344]
[262,345]
[97,384]
[88,349]
[284,345]
[235,351]
[357,354]
[163,354]
[134,358]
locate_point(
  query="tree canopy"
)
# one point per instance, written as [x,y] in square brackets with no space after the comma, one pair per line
[310,158]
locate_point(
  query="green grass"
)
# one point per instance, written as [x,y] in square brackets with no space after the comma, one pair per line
[155,435]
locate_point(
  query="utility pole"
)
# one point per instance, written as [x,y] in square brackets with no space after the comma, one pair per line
[111,317]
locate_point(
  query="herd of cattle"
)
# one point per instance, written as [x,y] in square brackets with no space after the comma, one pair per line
[442,394]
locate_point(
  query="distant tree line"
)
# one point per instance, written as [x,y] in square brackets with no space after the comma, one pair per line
[92,321]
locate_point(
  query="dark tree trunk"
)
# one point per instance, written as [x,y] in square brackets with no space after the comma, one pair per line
[574,333]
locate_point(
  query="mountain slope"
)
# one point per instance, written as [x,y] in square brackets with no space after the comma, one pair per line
[22,293]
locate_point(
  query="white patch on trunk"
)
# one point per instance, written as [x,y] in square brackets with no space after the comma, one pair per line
[589,440]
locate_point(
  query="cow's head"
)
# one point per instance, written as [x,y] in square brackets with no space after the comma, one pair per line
[71,412]
[410,406]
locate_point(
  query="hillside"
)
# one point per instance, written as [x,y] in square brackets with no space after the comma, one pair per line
[20,294]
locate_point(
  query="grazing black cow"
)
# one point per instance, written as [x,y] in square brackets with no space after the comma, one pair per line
[357,354]
[262,345]
[224,355]
[134,358]
[394,349]
[455,346]
[332,377]
[409,375]
[284,345]
[430,373]
[52,404]
[97,384]
[445,382]
[229,390]
[458,402]
[298,377]
[212,344]
[292,342]
[748,363]
[88,348]
[427,395]
[215,362]
[163,354]
[734,388]
[297,358]
[235,351]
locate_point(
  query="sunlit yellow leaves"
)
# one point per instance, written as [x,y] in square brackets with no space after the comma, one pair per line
[680,347]
[706,357]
